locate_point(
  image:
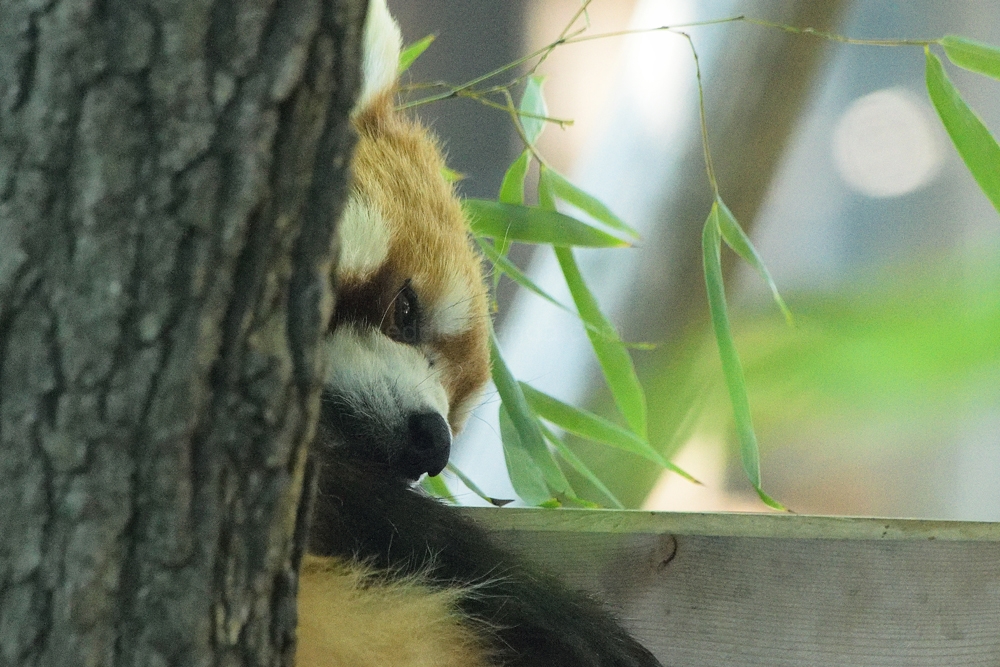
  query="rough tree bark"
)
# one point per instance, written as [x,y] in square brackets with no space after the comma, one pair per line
[170,174]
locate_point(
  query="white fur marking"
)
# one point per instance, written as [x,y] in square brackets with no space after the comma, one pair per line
[454,314]
[364,239]
[389,378]
[381,54]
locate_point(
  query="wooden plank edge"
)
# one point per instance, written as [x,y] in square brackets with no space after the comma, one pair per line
[731,524]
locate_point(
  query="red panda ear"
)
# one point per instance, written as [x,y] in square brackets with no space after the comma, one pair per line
[380,64]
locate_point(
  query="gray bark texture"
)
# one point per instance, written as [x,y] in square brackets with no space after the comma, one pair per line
[170,176]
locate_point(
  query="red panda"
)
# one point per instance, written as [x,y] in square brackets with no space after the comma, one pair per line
[409,336]
[394,577]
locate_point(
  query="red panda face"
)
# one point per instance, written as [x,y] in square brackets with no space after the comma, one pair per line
[408,352]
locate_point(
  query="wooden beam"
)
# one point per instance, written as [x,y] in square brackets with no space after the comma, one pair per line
[778,590]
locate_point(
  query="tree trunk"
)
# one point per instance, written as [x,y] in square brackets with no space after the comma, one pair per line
[170,175]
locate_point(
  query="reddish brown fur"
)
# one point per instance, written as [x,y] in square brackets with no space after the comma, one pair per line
[398,169]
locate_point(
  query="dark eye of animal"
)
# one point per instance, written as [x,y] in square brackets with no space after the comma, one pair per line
[407,317]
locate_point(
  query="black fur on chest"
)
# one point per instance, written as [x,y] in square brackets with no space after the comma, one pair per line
[365,512]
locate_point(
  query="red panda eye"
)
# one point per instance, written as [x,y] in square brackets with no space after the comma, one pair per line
[406,327]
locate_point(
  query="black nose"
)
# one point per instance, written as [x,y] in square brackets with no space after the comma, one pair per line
[429,444]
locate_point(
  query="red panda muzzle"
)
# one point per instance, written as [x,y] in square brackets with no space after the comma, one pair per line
[406,445]
[430,444]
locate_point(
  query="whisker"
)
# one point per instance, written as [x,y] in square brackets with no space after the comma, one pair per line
[392,301]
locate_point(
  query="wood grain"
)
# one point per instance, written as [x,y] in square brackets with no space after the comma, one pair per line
[778,590]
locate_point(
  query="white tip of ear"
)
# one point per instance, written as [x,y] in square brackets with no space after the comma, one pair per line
[381,54]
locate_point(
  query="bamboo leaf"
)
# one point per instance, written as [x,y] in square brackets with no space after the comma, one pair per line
[525,476]
[502,265]
[594,427]
[577,464]
[497,502]
[525,425]
[533,102]
[413,51]
[451,175]
[737,239]
[512,187]
[978,148]
[512,192]
[530,224]
[436,486]
[615,361]
[972,55]
[711,246]
[732,370]
[769,501]
[613,357]
[587,203]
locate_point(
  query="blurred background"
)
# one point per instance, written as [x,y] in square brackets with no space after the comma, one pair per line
[884,399]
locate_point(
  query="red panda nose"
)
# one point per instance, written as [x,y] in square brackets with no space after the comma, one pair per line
[430,441]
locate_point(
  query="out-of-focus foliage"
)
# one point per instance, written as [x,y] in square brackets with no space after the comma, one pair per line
[871,348]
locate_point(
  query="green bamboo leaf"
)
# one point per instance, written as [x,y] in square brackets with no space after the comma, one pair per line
[451,175]
[613,357]
[472,486]
[588,504]
[737,239]
[587,203]
[769,501]
[512,192]
[532,102]
[972,55]
[615,361]
[525,424]
[594,427]
[529,224]
[732,370]
[577,464]
[525,476]
[412,52]
[502,265]
[512,187]
[978,148]
[437,487]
